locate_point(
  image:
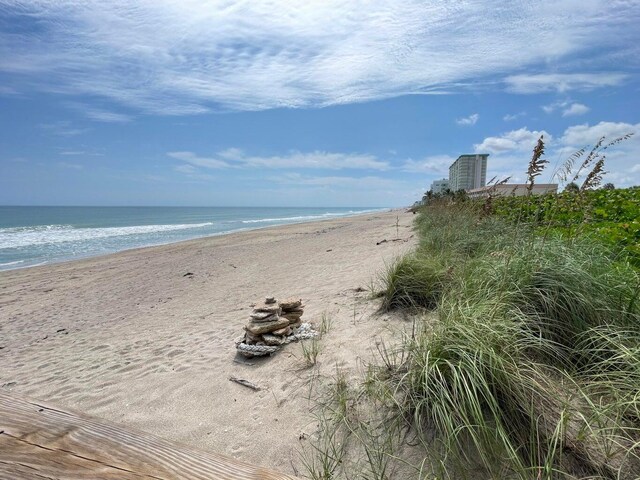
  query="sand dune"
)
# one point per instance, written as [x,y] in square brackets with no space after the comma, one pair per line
[129,338]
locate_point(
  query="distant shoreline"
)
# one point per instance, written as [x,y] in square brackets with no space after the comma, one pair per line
[251,225]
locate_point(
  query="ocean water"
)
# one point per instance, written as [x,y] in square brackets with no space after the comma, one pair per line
[32,236]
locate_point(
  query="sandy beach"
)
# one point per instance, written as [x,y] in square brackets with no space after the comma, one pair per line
[129,338]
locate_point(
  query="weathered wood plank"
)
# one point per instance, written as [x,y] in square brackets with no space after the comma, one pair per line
[38,441]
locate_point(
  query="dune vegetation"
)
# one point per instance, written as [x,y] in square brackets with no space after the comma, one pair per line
[524,358]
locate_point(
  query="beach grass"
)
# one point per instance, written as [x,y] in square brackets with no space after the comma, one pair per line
[531,369]
[523,360]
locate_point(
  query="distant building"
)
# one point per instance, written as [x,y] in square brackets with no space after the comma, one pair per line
[468,172]
[517,189]
[439,186]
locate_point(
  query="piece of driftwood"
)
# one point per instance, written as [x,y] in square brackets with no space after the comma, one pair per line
[38,441]
[245,383]
[393,240]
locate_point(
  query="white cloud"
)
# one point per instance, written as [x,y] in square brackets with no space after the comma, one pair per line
[72,152]
[470,120]
[581,135]
[99,114]
[192,173]
[340,182]
[568,108]
[575,109]
[552,107]
[8,91]
[562,82]
[63,128]
[234,157]
[193,159]
[510,117]
[515,140]
[431,164]
[185,168]
[511,151]
[109,117]
[190,57]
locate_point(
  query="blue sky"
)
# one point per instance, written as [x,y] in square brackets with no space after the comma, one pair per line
[358,103]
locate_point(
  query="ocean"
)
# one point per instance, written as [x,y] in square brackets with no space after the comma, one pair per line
[31,236]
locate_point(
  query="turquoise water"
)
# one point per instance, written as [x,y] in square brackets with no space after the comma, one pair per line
[32,236]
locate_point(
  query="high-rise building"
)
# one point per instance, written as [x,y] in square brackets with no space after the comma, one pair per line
[468,172]
[439,186]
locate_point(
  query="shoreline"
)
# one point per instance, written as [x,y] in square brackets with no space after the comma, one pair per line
[217,234]
[129,338]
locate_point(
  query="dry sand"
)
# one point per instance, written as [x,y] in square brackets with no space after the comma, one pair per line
[128,338]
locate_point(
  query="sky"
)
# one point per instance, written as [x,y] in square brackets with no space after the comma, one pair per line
[303,102]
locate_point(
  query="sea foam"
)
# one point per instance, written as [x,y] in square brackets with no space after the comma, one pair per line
[17,237]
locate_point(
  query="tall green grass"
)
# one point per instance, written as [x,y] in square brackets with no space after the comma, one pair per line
[533,368]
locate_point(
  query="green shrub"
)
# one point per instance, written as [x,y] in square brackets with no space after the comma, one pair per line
[414,281]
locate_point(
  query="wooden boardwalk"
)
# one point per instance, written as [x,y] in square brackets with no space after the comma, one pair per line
[38,441]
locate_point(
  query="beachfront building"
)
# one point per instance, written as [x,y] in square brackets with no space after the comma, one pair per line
[517,189]
[439,186]
[468,172]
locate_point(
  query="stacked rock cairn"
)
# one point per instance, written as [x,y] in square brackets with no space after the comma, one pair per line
[271,325]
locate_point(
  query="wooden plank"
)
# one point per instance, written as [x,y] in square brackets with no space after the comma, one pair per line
[38,441]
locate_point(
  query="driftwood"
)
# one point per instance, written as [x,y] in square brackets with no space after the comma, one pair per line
[395,240]
[245,383]
[38,441]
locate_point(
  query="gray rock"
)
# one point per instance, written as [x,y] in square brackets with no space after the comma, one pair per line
[250,337]
[264,307]
[295,324]
[283,331]
[266,327]
[292,317]
[259,317]
[290,303]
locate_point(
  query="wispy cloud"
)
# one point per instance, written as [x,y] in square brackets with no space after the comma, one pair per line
[514,116]
[516,140]
[108,117]
[193,159]
[562,82]
[234,157]
[581,135]
[567,107]
[192,57]
[431,164]
[470,120]
[72,152]
[99,114]
[193,173]
[8,91]
[63,128]
[575,109]
[341,182]
[552,107]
